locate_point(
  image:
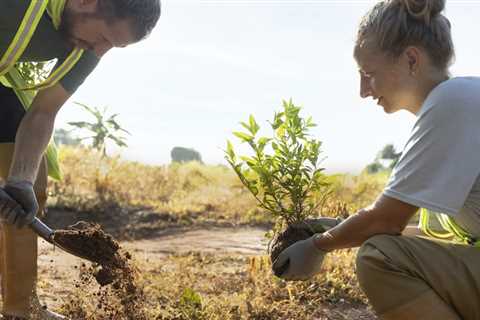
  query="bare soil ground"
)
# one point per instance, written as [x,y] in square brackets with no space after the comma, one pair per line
[57,269]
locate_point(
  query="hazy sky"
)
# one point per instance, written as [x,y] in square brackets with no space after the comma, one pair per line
[210,64]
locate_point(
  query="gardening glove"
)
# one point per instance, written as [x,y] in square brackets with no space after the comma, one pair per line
[301,261]
[22,194]
[9,208]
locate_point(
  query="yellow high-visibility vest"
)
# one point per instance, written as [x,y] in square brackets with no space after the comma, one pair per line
[24,34]
[452,230]
[9,76]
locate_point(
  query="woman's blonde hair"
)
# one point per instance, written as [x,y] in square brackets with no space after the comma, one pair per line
[393,25]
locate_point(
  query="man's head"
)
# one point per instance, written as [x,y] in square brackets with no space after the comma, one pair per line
[100,25]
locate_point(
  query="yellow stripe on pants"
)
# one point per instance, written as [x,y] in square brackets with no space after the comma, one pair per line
[18,249]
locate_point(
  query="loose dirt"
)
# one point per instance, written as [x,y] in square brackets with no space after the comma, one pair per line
[57,269]
[110,267]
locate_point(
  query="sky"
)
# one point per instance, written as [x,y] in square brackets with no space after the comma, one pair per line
[209,64]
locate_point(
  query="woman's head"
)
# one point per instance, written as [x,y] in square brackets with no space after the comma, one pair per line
[405,40]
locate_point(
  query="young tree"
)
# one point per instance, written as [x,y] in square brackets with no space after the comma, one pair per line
[102,129]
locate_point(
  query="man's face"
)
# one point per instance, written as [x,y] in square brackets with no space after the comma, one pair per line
[91,31]
[383,79]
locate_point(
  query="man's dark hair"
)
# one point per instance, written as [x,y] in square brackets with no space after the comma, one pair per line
[143,14]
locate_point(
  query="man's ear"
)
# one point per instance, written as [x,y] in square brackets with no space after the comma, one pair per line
[86,6]
[412,58]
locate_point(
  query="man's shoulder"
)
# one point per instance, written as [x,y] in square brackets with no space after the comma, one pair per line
[13,8]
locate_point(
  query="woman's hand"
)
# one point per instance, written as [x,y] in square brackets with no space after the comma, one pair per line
[301,261]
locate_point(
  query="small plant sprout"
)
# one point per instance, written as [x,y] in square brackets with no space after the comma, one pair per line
[283,173]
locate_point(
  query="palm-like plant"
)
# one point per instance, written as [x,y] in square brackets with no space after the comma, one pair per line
[103,128]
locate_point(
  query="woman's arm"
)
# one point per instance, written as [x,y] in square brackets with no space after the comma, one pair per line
[386,216]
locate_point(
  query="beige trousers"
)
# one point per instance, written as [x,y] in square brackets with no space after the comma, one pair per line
[418,278]
[18,249]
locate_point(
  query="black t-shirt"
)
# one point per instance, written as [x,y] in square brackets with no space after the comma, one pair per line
[46,43]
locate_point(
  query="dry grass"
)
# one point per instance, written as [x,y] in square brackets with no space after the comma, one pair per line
[201,192]
[205,286]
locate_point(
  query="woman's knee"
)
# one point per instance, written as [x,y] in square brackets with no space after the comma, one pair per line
[376,254]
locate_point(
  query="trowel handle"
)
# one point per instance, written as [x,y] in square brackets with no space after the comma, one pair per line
[42,230]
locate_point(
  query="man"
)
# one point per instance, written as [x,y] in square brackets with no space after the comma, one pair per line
[77,33]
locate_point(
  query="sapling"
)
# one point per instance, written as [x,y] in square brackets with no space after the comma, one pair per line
[283,174]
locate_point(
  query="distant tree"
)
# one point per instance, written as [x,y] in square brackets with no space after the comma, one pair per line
[386,158]
[389,153]
[102,129]
[64,137]
[374,167]
[181,154]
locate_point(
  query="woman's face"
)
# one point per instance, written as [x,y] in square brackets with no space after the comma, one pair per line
[386,80]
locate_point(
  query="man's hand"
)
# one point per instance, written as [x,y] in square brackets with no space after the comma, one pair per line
[9,208]
[304,260]
[18,204]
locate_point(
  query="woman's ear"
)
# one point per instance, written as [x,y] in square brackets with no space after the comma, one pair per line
[412,57]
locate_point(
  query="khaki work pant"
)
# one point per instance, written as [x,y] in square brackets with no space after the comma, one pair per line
[418,278]
[18,249]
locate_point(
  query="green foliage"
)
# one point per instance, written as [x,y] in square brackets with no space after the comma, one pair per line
[387,154]
[283,173]
[374,167]
[34,72]
[64,137]
[102,129]
[191,304]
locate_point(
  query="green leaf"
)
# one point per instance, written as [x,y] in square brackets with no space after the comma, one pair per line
[253,125]
[191,298]
[243,136]
[230,152]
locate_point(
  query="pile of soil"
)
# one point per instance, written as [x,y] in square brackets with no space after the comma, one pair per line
[87,240]
[111,266]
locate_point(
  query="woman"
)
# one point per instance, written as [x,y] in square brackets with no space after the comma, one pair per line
[403,51]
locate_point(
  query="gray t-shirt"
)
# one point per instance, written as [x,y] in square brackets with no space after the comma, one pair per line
[439,168]
[46,43]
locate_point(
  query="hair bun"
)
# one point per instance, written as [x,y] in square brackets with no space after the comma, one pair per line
[425,10]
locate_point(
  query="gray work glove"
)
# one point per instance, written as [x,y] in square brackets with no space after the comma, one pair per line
[18,203]
[304,260]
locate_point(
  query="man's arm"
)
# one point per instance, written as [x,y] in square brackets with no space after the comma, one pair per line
[386,216]
[35,132]
[18,204]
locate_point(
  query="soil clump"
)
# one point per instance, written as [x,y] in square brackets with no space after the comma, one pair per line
[117,296]
[284,239]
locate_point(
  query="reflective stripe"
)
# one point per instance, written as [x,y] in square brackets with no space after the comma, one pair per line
[23,35]
[59,73]
[452,229]
[55,9]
